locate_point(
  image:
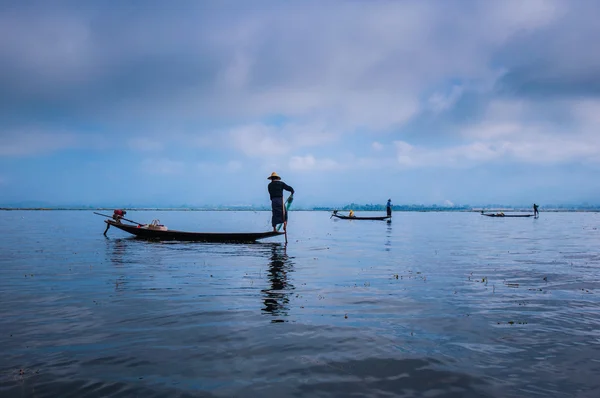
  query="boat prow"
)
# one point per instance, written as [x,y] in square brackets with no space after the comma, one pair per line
[145,232]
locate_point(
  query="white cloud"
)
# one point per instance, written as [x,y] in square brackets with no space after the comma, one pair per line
[207,167]
[369,163]
[502,119]
[268,140]
[515,15]
[440,102]
[57,45]
[236,75]
[535,150]
[234,165]
[34,142]
[493,130]
[310,163]
[215,167]
[403,153]
[162,166]
[524,131]
[586,113]
[551,150]
[371,71]
[145,144]
[258,140]
[368,69]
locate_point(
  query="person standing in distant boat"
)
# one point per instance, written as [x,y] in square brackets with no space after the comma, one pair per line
[351,214]
[276,188]
[536,213]
[389,207]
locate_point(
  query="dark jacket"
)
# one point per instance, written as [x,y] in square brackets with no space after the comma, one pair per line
[276,189]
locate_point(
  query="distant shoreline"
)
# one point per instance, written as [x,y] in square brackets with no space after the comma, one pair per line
[405,210]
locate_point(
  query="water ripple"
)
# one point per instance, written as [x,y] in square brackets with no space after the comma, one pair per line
[433,304]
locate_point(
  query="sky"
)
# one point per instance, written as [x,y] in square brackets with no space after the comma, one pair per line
[156,103]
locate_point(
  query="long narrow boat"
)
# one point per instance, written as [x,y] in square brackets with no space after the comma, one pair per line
[220,237]
[360,218]
[507,215]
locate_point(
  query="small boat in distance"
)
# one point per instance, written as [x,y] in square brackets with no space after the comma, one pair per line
[156,231]
[505,215]
[334,214]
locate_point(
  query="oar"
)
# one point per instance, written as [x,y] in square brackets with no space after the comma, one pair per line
[287,204]
[122,218]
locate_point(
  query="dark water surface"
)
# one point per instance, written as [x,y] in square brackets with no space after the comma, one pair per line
[431,305]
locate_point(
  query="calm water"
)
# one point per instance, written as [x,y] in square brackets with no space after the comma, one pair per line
[432,305]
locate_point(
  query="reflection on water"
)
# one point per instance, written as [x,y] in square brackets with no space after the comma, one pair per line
[388,235]
[116,247]
[445,305]
[277,296]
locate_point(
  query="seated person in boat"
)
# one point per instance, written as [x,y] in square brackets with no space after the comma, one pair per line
[351,214]
[276,188]
[118,215]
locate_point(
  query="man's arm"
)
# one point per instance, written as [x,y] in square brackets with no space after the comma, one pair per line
[288,188]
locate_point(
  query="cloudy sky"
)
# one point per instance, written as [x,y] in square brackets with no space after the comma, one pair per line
[197,102]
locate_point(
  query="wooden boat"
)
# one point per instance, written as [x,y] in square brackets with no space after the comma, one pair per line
[144,232]
[360,218]
[507,215]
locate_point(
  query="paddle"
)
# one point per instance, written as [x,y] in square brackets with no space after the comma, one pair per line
[122,218]
[287,205]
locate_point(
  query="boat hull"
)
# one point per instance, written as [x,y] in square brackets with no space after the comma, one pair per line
[361,218]
[508,215]
[173,235]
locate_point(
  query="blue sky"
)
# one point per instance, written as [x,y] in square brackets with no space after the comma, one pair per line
[161,103]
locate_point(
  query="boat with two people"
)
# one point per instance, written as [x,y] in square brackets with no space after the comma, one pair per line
[156,231]
[501,214]
[351,216]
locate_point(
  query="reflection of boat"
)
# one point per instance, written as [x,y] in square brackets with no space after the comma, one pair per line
[507,215]
[277,296]
[147,232]
[359,218]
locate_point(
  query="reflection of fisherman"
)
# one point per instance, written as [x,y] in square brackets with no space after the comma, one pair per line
[389,207]
[277,297]
[535,210]
[351,214]
[276,187]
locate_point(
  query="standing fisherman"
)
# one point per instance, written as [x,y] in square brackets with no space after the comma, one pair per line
[276,187]
[389,207]
[536,213]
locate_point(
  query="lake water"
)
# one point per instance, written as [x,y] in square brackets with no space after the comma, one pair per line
[431,305]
